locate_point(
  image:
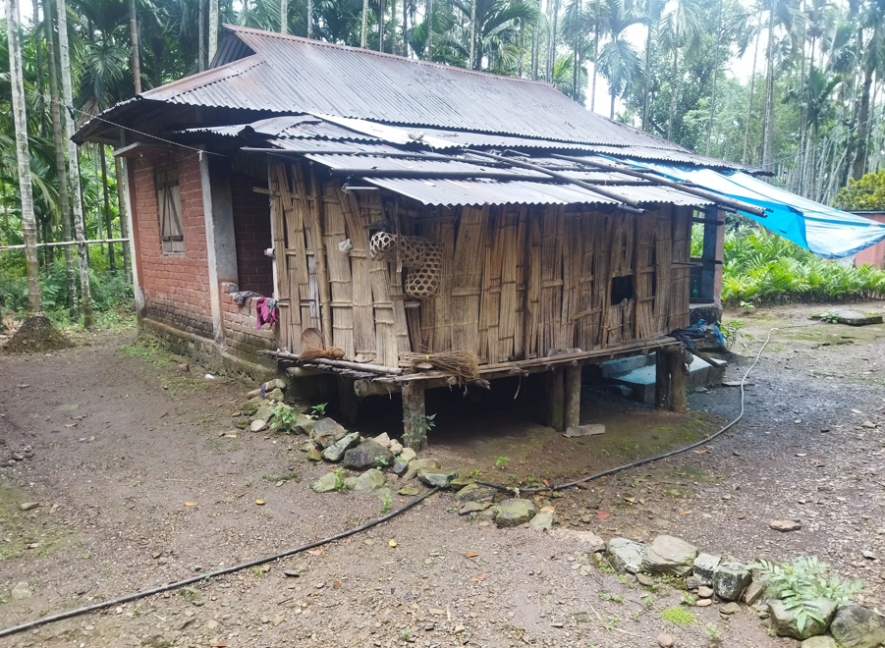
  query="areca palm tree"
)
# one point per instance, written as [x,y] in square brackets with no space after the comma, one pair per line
[495,28]
[619,61]
[681,27]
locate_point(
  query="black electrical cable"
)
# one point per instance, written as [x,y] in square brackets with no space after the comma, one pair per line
[30,625]
[666,455]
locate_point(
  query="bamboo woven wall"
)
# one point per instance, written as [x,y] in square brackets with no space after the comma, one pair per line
[517,281]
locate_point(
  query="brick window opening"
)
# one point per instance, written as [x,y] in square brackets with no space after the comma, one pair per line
[169,211]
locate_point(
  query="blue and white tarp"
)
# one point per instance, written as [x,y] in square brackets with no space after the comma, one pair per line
[828,232]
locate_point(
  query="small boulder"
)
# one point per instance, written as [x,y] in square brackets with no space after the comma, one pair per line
[304,425]
[325,484]
[327,432]
[591,542]
[730,579]
[704,566]
[276,395]
[625,555]
[513,512]
[785,526]
[786,623]
[383,439]
[754,591]
[28,506]
[475,493]
[21,592]
[437,479]
[407,454]
[820,641]
[421,464]
[730,608]
[395,447]
[366,455]
[257,425]
[313,454]
[543,521]
[857,627]
[251,406]
[336,451]
[665,640]
[372,479]
[473,507]
[409,491]
[400,466]
[669,555]
[705,592]
[264,411]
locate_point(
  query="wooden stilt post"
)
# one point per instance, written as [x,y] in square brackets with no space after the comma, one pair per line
[678,397]
[414,416]
[348,403]
[555,398]
[572,395]
[662,380]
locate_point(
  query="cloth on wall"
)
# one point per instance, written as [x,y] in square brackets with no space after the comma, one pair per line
[245,297]
[267,311]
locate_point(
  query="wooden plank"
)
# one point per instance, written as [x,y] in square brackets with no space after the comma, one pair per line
[663,265]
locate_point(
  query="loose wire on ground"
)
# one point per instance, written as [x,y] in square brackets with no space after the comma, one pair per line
[30,625]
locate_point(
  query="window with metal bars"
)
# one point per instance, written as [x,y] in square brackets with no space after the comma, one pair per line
[169,211]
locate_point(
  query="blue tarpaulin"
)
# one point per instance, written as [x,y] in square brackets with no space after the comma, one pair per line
[828,232]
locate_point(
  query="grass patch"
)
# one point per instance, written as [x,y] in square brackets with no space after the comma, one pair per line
[678,615]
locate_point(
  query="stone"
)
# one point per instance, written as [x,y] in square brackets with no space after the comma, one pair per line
[27,506]
[400,466]
[542,521]
[368,454]
[665,640]
[313,454]
[372,479]
[475,493]
[307,446]
[436,479]
[325,484]
[257,425]
[395,447]
[645,580]
[513,512]
[421,464]
[21,592]
[858,627]
[591,542]
[625,555]
[786,624]
[730,579]
[473,507]
[704,602]
[785,525]
[591,429]
[327,432]
[669,555]
[754,591]
[705,592]
[853,317]
[407,454]
[704,566]
[276,395]
[730,608]
[251,406]
[462,481]
[335,452]
[692,583]
[820,641]
[382,439]
[264,411]
[304,425]
[409,491]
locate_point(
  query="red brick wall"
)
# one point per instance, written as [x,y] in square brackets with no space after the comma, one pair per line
[251,212]
[176,287]
[239,325]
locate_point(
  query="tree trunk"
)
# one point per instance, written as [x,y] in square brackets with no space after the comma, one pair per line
[551,63]
[213,28]
[22,154]
[647,73]
[744,158]
[575,68]
[41,82]
[521,46]
[63,204]
[133,37]
[472,64]
[863,118]
[768,121]
[310,18]
[201,34]
[74,162]
[284,17]
[674,84]
[112,262]
[611,110]
[380,25]
[715,71]
[405,29]
[365,33]
[536,29]
[429,55]
[595,59]
[124,215]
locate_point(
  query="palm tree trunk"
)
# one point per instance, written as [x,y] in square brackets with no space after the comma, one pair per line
[744,158]
[201,34]
[64,207]
[74,162]
[863,118]
[405,29]
[124,216]
[213,28]
[429,55]
[768,121]
[22,154]
[536,30]
[551,63]
[611,110]
[715,71]
[310,18]
[647,72]
[41,82]
[381,8]
[595,59]
[521,46]
[364,33]
[284,17]
[472,64]
[133,36]
[674,84]
[576,70]
[112,262]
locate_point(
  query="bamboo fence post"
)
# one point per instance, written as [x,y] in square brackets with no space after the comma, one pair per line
[678,396]
[414,415]
[662,380]
[573,374]
[555,398]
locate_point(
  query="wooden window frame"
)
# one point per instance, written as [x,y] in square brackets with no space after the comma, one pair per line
[169,212]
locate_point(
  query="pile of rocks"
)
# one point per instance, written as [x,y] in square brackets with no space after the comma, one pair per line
[732,582]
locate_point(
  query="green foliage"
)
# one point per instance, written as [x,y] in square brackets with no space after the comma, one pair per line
[765,268]
[387,501]
[318,411]
[282,418]
[417,427]
[678,615]
[799,584]
[688,599]
[500,461]
[866,194]
[830,317]
[339,480]
[731,331]
[604,596]
[714,634]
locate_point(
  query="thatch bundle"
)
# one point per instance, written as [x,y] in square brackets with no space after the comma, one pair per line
[463,365]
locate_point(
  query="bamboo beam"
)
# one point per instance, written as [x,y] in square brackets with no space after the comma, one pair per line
[65,243]
[344,364]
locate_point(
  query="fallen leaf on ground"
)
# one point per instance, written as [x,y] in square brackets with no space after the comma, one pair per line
[684,512]
[315,552]
[630,499]
[479,577]
[217,644]
[336,584]
[70,425]
[547,509]
[472,554]
[190,503]
[602,515]
[700,451]
[259,502]
[391,543]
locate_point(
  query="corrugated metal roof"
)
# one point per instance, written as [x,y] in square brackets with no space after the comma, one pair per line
[453,193]
[290,74]
[372,164]
[330,147]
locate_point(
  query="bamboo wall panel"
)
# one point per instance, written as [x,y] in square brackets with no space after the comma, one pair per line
[300,266]
[436,321]
[519,314]
[618,321]
[509,307]
[467,278]
[551,279]
[532,308]
[338,264]
[490,299]
[287,334]
[664,269]
[363,315]
[681,274]
[591,289]
[644,275]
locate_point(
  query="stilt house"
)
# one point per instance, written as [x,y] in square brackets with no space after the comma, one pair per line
[393,206]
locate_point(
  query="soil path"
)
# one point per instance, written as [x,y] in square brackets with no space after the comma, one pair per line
[121,443]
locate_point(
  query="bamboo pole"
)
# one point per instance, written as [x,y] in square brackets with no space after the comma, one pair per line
[66,243]
[319,255]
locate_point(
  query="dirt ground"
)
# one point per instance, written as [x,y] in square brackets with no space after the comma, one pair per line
[141,482]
